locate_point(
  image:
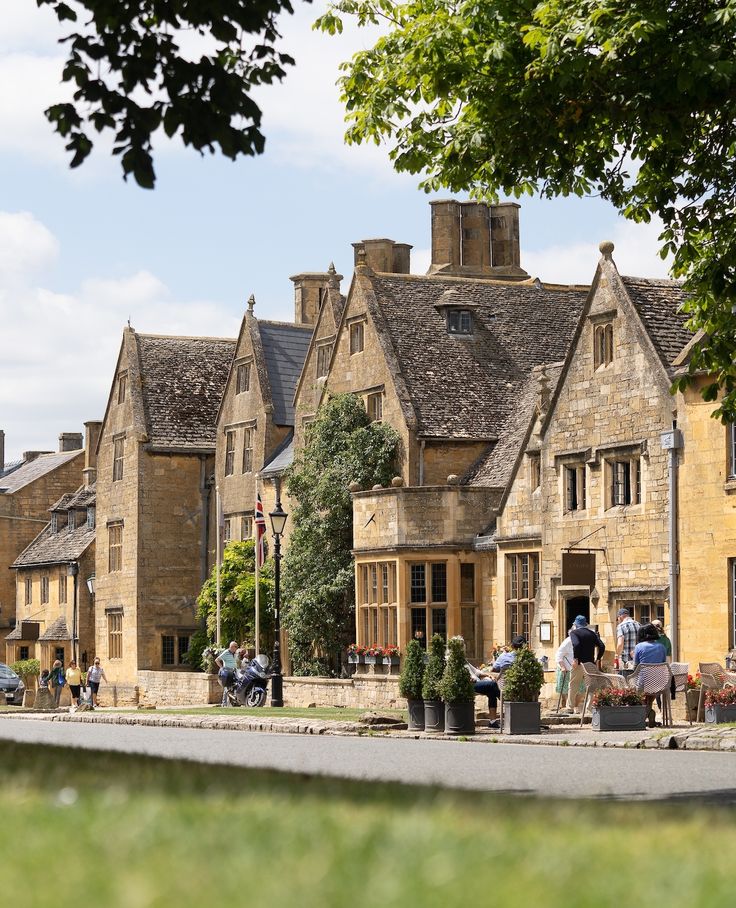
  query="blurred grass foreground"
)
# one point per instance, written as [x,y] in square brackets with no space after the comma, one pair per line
[81,827]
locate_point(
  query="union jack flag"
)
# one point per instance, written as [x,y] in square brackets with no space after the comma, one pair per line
[260,521]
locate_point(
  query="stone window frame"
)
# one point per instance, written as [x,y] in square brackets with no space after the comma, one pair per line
[464,600]
[247,461]
[732,603]
[242,376]
[459,322]
[603,344]
[622,480]
[731,450]
[179,646]
[522,583]
[114,633]
[28,590]
[227,530]
[62,587]
[122,386]
[114,546]
[356,330]
[246,526]
[91,517]
[45,588]
[374,406]
[23,652]
[535,470]
[118,457]
[574,487]
[378,622]
[229,452]
[431,601]
[323,356]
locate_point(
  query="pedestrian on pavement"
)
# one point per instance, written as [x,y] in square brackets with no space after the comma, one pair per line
[43,681]
[57,680]
[587,646]
[74,680]
[564,659]
[488,686]
[627,636]
[227,664]
[95,674]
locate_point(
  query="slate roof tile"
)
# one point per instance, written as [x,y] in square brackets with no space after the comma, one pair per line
[285,348]
[57,630]
[183,382]
[65,545]
[34,469]
[659,304]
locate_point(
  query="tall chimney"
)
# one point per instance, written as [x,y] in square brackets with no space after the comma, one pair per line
[505,235]
[309,290]
[476,235]
[70,441]
[384,255]
[92,430]
[32,455]
[446,234]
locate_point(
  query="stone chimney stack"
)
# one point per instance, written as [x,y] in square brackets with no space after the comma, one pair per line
[309,291]
[474,239]
[92,430]
[32,455]
[70,441]
[384,256]
[505,242]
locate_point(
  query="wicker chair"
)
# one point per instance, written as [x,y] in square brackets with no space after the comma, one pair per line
[680,672]
[594,679]
[713,676]
[654,680]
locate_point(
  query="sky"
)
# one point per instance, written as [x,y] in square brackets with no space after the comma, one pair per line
[82,251]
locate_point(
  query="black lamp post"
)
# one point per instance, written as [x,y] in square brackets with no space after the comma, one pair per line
[278,522]
[73,571]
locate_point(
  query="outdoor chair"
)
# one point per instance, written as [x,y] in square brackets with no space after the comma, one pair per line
[654,680]
[594,679]
[713,676]
[680,672]
[500,682]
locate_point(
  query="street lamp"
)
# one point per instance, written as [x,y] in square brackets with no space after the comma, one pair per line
[73,571]
[278,522]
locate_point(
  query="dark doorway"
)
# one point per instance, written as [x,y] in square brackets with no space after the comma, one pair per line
[578,605]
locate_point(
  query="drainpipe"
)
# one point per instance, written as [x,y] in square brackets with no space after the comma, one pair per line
[672,442]
[422,443]
[205,490]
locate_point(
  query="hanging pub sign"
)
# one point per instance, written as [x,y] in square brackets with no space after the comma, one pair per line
[578,569]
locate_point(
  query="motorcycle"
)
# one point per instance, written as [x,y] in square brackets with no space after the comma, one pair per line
[250,683]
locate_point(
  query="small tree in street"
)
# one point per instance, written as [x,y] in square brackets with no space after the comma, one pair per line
[237,597]
[342,446]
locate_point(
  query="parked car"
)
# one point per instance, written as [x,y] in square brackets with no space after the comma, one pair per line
[10,685]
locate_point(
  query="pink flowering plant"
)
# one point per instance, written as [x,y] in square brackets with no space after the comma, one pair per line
[617,696]
[694,683]
[391,651]
[355,649]
[374,650]
[726,696]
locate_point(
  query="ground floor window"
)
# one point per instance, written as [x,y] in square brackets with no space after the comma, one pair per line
[645,612]
[173,648]
[59,653]
[115,635]
[379,625]
[24,652]
[522,580]
[419,625]
[469,630]
[732,604]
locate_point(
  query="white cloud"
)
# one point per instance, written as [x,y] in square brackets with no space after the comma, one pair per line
[58,350]
[27,27]
[636,254]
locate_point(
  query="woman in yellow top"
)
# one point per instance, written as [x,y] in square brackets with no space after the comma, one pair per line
[74,680]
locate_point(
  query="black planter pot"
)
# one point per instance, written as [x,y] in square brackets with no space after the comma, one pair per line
[434,716]
[521,718]
[416,715]
[460,718]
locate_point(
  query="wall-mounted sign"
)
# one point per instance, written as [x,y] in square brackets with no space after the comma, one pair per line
[578,569]
[545,631]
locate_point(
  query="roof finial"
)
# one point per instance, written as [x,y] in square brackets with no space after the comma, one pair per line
[251,304]
[606,248]
[332,280]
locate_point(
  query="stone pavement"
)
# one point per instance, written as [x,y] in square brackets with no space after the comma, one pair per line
[679,737]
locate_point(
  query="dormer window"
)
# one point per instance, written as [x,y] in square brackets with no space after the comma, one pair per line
[91,518]
[459,321]
[357,337]
[603,345]
[243,378]
[54,522]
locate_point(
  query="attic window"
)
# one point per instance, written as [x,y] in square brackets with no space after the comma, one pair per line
[91,517]
[54,522]
[357,337]
[603,345]
[459,321]
[243,378]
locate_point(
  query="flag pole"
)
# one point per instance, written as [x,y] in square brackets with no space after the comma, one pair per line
[217,561]
[258,574]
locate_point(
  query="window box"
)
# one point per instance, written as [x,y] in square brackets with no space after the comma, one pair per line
[355,659]
[619,718]
[717,714]
[373,660]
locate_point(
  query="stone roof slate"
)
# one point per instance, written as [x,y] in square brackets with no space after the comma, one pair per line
[659,304]
[65,545]
[34,469]
[468,387]
[57,630]
[283,457]
[285,349]
[183,381]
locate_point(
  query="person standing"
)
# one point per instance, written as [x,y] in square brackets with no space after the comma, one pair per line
[663,639]
[74,680]
[563,658]
[587,646]
[57,680]
[95,674]
[627,636]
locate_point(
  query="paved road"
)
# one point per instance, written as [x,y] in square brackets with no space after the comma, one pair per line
[559,771]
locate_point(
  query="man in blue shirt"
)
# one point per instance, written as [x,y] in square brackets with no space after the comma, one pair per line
[227,664]
[489,686]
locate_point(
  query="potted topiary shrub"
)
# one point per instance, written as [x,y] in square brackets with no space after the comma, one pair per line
[522,682]
[457,691]
[410,684]
[619,709]
[434,708]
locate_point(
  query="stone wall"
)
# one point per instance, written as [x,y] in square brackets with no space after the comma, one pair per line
[178,688]
[354,693]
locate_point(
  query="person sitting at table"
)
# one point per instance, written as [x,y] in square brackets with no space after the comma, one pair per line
[488,686]
[649,650]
